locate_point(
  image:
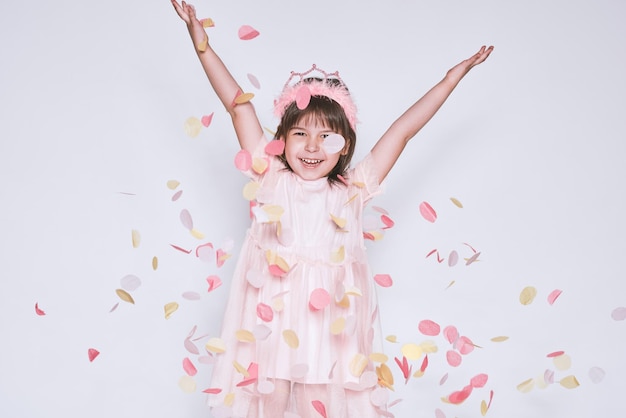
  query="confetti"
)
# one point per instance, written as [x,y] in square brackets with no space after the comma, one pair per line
[479,381]
[411,351]
[125,296]
[275,147]
[243,160]
[299,371]
[176,247]
[169,309]
[456,202]
[428,327]
[213,391]
[291,338]
[499,339]
[207,23]
[472,259]
[38,311]
[202,46]
[92,353]
[187,384]
[569,382]
[338,255]
[562,362]
[451,334]
[333,143]
[427,212]
[319,407]
[192,126]
[177,195]
[260,165]
[244,98]
[265,387]
[214,282]
[383,280]
[458,397]
[254,81]
[215,345]
[191,295]
[528,295]
[189,368]
[526,386]
[453,258]
[619,314]
[596,374]
[453,358]
[303,97]
[358,364]
[206,120]
[245,336]
[155,263]
[387,221]
[130,282]
[247,32]
[172,184]
[340,222]
[439,413]
[552,297]
[319,299]
[264,312]
[185,219]
[337,326]
[385,377]
[135,238]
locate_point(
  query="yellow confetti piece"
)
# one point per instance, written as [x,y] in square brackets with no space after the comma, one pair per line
[250,190]
[274,212]
[376,235]
[187,384]
[240,369]
[412,351]
[125,296]
[291,338]
[418,373]
[359,184]
[528,295]
[358,364]
[340,222]
[278,304]
[344,302]
[569,382]
[379,357]
[215,345]
[193,126]
[354,291]
[169,309]
[429,347]
[450,284]
[270,131]
[456,202]
[338,326]
[526,386]
[274,259]
[392,338]
[173,184]
[208,23]
[244,98]
[259,165]
[499,339]
[351,198]
[245,336]
[155,263]
[203,44]
[483,408]
[338,255]
[196,234]
[562,362]
[385,377]
[229,399]
[135,237]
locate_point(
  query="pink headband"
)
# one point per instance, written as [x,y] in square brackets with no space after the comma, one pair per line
[301,93]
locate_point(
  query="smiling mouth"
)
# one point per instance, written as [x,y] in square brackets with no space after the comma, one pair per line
[310,162]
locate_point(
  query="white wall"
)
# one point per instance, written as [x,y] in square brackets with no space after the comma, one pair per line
[94,98]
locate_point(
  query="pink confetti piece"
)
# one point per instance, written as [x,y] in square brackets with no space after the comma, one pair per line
[275,147]
[464,345]
[548,376]
[276,271]
[221,257]
[458,397]
[214,282]
[472,259]
[130,282]
[383,280]
[212,391]
[247,32]
[114,307]
[303,97]
[619,314]
[428,212]
[369,236]
[92,353]
[555,354]
[191,295]
[254,81]
[451,334]
[404,367]
[453,258]
[298,371]
[552,297]
[334,143]
[185,219]
[253,375]
[387,221]
[453,358]
[319,407]
[243,160]
[431,252]
[177,195]
[38,311]
[424,364]
[205,252]
[319,299]
[342,179]
[471,248]
[264,312]
[439,413]
[428,327]
[176,247]
[479,381]
[596,374]
[191,347]
[443,379]
[206,120]
[189,368]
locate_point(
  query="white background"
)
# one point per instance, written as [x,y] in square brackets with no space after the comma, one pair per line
[94,99]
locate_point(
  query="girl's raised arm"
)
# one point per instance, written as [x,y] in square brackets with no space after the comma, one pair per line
[245,120]
[389,147]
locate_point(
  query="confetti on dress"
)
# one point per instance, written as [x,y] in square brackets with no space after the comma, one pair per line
[247,32]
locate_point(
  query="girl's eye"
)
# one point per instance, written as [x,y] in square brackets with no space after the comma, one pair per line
[297,133]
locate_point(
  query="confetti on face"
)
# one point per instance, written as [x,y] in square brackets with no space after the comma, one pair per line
[92,353]
[135,238]
[303,97]
[428,212]
[130,282]
[193,126]
[428,327]
[206,120]
[247,32]
[334,143]
[254,81]
[528,295]
[170,308]
[38,311]
[125,296]
[383,280]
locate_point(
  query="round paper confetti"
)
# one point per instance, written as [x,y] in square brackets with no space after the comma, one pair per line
[383,280]
[189,368]
[170,308]
[193,126]
[247,32]
[275,147]
[552,297]
[334,143]
[569,382]
[135,238]
[562,362]
[619,314]
[412,351]
[303,97]
[264,312]
[428,327]
[206,120]
[124,295]
[39,311]
[291,338]
[265,387]
[428,212]
[187,384]
[254,81]
[528,295]
[453,258]
[172,184]
[596,374]
[243,160]
[454,359]
[215,345]
[298,371]
[319,299]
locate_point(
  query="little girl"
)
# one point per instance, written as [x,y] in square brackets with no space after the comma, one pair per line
[301,336]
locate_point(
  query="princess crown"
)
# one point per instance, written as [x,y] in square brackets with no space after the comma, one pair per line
[301,92]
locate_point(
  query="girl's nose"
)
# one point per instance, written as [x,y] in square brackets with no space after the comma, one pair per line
[312,145]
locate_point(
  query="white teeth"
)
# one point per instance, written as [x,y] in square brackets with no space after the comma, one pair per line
[307,161]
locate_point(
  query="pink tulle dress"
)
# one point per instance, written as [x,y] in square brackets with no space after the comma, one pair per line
[302,319]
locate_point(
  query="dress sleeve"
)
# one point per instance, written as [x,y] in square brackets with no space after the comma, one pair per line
[261,163]
[365,174]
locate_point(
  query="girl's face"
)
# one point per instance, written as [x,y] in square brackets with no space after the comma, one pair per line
[304,150]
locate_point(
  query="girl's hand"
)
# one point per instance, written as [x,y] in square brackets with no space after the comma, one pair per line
[188,14]
[458,71]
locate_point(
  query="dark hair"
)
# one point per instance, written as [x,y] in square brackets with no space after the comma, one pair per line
[331,114]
